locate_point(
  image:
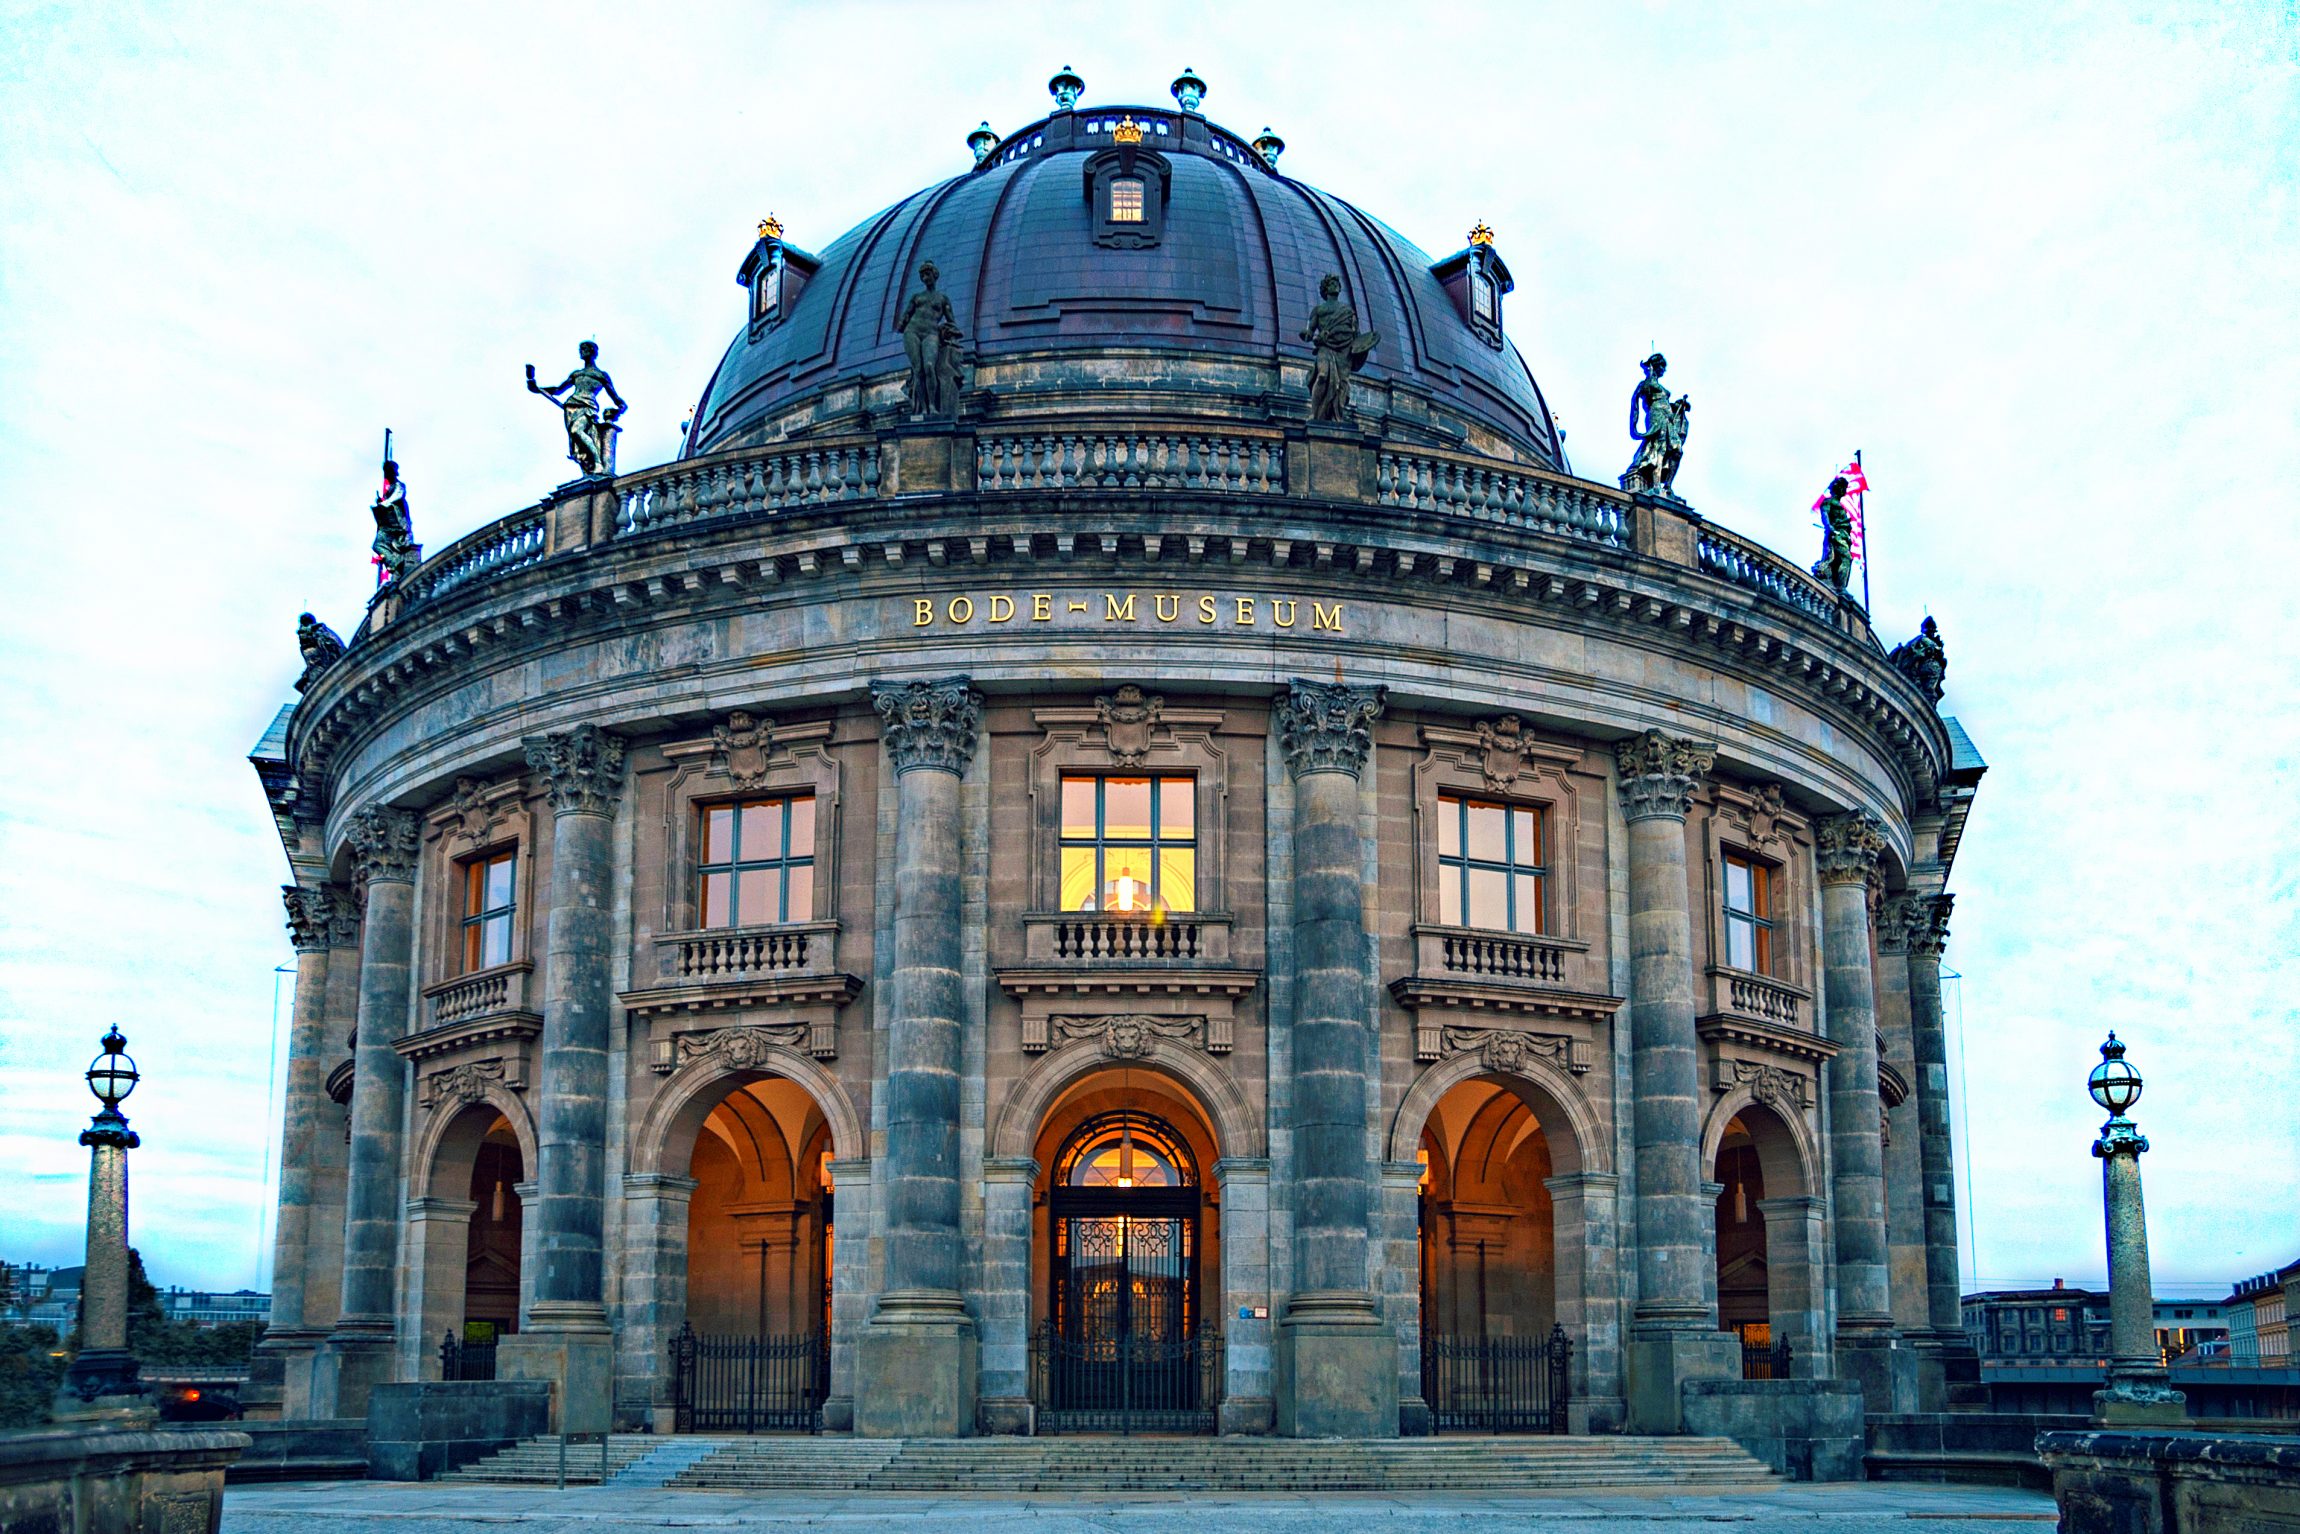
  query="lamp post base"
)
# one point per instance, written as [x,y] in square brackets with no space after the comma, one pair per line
[2139,1401]
[101,1388]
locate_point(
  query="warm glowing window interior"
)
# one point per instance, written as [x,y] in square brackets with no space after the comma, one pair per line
[758,864]
[1493,864]
[1129,843]
[488,906]
[1748,914]
[1127,1150]
[1126,201]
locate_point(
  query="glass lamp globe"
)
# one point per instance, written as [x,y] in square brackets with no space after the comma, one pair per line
[2114,1084]
[112,1075]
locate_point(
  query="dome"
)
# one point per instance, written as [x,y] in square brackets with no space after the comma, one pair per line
[1208,306]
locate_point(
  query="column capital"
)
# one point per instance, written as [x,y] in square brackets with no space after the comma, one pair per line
[344,909]
[1896,921]
[1929,925]
[582,769]
[309,916]
[1659,774]
[383,844]
[928,724]
[1327,726]
[1846,848]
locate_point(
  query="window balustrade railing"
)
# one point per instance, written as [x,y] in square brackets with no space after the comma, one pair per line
[745,953]
[1763,998]
[819,475]
[1729,558]
[1502,956]
[1128,460]
[480,994]
[1424,482]
[1128,937]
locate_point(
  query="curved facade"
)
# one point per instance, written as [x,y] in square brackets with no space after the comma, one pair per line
[1122,909]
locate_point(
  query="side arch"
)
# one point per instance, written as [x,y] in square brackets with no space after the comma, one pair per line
[1786,1154]
[442,1164]
[1557,1100]
[666,1139]
[1237,1127]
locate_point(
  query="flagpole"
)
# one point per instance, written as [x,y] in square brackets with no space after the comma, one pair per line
[1867,534]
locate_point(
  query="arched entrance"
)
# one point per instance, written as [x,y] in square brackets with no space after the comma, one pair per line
[1128,1263]
[466,1237]
[1766,1285]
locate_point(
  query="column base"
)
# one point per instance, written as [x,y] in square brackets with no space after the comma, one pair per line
[1415,1419]
[570,1346]
[1658,1365]
[1883,1366]
[1948,1373]
[1337,1367]
[101,1389]
[1006,1417]
[2140,1401]
[916,1368]
[838,1415]
[1245,1417]
[352,1361]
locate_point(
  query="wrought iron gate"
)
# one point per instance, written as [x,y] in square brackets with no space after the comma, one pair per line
[1497,1384]
[749,1384]
[1124,1350]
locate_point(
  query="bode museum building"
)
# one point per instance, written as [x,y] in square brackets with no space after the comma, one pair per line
[1119,843]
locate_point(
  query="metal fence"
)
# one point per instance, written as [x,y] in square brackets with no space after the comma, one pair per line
[1765,1361]
[462,1360]
[1497,1384]
[1126,1384]
[765,1384]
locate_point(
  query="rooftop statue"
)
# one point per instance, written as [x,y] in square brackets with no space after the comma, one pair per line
[925,322]
[590,427]
[321,649]
[1924,660]
[395,549]
[1341,347]
[950,371]
[1836,566]
[1659,424]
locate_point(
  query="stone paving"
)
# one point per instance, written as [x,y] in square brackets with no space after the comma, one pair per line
[401,1508]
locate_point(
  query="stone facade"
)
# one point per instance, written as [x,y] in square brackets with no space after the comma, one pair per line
[689,1097]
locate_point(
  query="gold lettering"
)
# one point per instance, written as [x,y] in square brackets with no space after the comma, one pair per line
[1245,612]
[1078,607]
[1163,615]
[922,613]
[997,616]
[1205,609]
[1324,617]
[1113,611]
[957,616]
[1041,608]
[1283,612]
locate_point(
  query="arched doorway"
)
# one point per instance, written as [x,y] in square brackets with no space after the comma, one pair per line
[466,1239]
[1767,1278]
[1129,1262]
[1744,1301]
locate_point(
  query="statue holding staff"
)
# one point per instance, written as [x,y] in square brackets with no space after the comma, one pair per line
[396,553]
[1659,425]
[590,427]
[1836,565]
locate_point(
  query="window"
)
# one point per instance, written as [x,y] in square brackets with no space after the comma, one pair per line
[1492,865]
[758,862]
[766,291]
[1748,914]
[488,906]
[1481,297]
[1126,200]
[1129,844]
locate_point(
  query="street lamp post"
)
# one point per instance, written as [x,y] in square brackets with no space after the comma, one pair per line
[101,1385]
[2139,1387]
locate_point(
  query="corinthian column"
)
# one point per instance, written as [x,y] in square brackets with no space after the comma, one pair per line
[358,1353]
[917,1362]
[290,1337]
[1673,1330]
[1846,852]
[567,1339]
[1959,1365]
[1338,1364]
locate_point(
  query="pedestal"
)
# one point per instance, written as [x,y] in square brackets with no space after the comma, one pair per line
[1885,1368]
[350,1365]
[1660,1364]
[1337,1368]
[572,1349]
[916,1368]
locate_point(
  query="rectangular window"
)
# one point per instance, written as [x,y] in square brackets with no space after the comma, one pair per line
[1126,200]
[1129,843]
[488,908]
[758,865]
[1493,865]
[1748,914]
[1481,296]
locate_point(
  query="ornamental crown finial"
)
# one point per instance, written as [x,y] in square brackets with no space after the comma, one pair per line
[770,228]
[1128,131]
[1481,234]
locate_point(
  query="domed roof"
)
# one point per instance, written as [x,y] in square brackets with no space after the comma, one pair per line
[1217,304]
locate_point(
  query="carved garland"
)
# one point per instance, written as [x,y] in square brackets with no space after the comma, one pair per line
[1782,1091]
[749,1047]
[1510,1049]
[1129,1035]
[459,1086]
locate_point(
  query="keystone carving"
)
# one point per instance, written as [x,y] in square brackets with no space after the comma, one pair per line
[1503,744]
[750,1047]
[1659,774]
[745,741]
[459,1086]
[1508,1049]
[1327,726]
[383,843]
[1929,925]
[1766,812]
[929,724]
[476,818]
[1846,847]
[1782,1091]
[582,769]
[1128,720]
[1128,1035]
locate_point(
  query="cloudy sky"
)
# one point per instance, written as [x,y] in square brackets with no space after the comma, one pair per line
[2037,263]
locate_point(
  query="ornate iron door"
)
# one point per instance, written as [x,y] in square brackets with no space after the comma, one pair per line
[749,1384]
[1123,1350]
[1497,1384]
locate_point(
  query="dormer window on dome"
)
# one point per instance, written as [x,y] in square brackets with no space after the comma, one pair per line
[1127,187]
[774,274]
[1476,280]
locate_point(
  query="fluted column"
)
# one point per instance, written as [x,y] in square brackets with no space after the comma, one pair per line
[1846,853]
[1338,1363]
[566,1339]
[290,1337]
[918,1361]
[1674,1335]
[357,1357]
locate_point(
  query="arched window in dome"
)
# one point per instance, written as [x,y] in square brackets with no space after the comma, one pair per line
[1126,188]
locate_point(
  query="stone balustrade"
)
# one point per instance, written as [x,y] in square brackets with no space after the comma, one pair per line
[1467,487]
[818,474]
[745,953]
[1735,559]
[1131,460]
[1501,956]
[1738,993]
[482,993]
[513,543]
[1092,938]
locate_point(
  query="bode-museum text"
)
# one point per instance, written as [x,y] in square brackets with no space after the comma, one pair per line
[1208,609]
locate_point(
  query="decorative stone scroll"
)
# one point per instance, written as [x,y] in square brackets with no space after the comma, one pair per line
[384,842]
[459,1086]
[308,916]
[929,724]
[1659,774]
[1929,925]
[344,910]
[745,742]
[1327,726]
[1129,719]
[1894,921]
[1127,1035]
[582,769]
[1512,1049]
[749,1047]
[478,809]
[1504,745]
[1846,848]
[1781,1090]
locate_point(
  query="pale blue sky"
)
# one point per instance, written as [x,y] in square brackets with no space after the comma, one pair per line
[2038,263]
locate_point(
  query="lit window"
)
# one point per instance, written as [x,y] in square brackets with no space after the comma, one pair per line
[1492,865]
[1481,296]
[1129,844]
[758,862]
[1748,914]
[766,292]
[487,910]
[1126,200]
[1126,1150]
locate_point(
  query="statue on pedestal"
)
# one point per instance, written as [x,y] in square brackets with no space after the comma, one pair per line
[928,329]
[321,649]
[1342,349]
[1659,424]
[1836,566]
[396,553]
[1924,660]
[591,428]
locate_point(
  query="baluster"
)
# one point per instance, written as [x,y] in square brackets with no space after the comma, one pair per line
[1069,460]
[1386,479]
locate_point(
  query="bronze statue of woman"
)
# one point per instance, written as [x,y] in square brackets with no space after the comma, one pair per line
[924,314]
[1660,425]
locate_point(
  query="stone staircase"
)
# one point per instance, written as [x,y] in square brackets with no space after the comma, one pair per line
[1144,1464]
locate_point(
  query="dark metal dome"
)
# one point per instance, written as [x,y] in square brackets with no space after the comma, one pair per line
[1055,316]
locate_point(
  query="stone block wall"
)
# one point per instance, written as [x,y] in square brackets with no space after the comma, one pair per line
[1807,1430]
[417,1432]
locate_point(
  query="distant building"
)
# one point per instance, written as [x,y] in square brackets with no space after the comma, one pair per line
[2191,1327]
[201,1308]
[2258,1313]
[2029,1326]
[44,1297]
